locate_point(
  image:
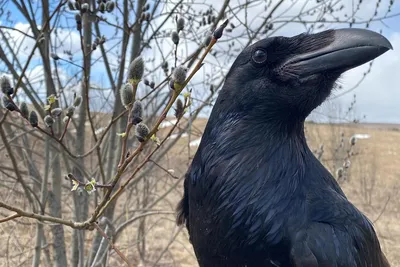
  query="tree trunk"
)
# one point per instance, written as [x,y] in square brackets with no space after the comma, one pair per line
[54,197]
[81,200]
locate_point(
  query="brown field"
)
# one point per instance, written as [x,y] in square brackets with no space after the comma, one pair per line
[371,184]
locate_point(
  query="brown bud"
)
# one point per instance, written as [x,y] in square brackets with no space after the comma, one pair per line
[136,69]
[218,32]
[55,112]
[102,7]
[137,112]
[110,6]
[33,119]
[48,121]
[23,107]
[5,85]
[8,104]
[179,74]
[180,24]
[175,37]
[179,109]
[70,111]
[141,132]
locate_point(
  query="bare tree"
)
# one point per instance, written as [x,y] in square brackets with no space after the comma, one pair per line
[98,96]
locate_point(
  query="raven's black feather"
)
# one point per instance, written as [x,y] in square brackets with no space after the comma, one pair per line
[255,195]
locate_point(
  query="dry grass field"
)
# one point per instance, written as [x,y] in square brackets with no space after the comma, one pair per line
[372,184]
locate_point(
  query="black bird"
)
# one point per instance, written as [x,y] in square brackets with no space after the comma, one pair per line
[255,195]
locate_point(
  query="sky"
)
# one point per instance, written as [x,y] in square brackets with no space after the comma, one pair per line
[378,96]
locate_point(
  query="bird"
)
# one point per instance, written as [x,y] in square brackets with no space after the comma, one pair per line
[254,194]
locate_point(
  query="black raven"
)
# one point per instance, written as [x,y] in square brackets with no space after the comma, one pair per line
[255,195]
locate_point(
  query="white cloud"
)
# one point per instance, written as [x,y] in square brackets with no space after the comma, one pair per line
[63,38]
[377,96]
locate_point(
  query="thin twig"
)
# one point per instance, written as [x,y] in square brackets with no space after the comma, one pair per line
[112,245]
[382,211]
[11,217]
[165,170]
[39,217]
[72,177]
[65,129]
[140,166]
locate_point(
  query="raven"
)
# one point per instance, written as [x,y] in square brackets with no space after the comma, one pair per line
[255,195]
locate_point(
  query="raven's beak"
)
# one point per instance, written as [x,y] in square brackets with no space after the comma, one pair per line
[350,48]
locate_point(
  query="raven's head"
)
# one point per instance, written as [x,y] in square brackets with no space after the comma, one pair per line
[288,77]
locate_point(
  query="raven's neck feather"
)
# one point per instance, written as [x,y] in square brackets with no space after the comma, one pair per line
[255,143]
[277,150]
[239,132]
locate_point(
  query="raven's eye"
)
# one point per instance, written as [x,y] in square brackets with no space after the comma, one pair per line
[259,56]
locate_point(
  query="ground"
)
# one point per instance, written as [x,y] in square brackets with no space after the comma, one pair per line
[371,184]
